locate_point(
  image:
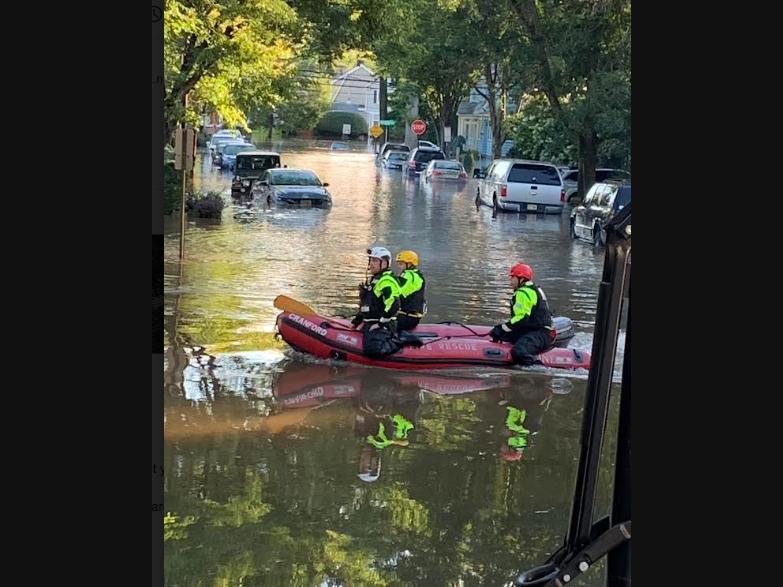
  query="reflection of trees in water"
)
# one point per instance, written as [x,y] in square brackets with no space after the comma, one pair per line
[221,404]
[289,510]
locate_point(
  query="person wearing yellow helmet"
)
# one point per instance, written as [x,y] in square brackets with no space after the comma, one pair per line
[380,296]
[413,305]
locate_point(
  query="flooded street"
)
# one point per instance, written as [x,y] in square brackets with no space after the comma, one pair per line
[270,479]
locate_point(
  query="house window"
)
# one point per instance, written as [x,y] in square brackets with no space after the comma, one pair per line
[375,96]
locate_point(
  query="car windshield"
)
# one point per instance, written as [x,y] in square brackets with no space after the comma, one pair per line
[535,174]
[234,149]
[450,165]
[223,146]
[256,162]
[294,178]
[398,156]
[427,156]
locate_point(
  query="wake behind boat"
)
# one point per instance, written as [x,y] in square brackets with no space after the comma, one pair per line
[447,345]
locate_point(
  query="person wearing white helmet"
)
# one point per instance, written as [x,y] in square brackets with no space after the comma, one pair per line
[369,465]
[380,296]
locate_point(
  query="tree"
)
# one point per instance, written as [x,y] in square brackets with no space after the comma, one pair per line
[430,52]
[501,61]
[217,52]
[591,70]
[296,103]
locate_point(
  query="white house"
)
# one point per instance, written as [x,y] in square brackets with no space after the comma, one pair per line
[357,90]
[474,123]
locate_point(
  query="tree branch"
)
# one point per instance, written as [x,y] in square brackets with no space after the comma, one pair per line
[527,12]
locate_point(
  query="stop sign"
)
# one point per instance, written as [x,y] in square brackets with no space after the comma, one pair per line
[418,126]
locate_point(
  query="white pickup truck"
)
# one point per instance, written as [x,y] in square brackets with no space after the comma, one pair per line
[522,186]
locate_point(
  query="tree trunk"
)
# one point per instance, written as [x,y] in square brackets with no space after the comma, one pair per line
[497,128]
[588,159]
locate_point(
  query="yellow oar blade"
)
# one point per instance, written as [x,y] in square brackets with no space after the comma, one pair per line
[287,304]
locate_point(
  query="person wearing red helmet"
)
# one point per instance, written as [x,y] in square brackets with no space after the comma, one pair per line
[530,328]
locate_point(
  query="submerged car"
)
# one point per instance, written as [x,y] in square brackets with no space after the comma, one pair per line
[395,159]
[230,152]
[602,202]
[292,187]
[248,167]
[440,169]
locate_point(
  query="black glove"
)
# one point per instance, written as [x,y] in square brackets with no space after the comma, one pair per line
[386,325]
[497,333]
[356,321]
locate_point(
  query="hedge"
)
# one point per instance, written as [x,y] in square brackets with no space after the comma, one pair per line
[331,124]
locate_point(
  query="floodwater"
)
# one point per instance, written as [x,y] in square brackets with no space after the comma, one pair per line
[269,475]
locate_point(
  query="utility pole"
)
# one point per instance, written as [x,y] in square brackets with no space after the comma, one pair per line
[383,106]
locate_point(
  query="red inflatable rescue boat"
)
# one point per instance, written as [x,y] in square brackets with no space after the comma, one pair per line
[448,345]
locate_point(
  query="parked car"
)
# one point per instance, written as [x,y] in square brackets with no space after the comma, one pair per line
[217,156]
[292,187]
[522,186]
[394,159]
[248,167]
[230,152]
[571,180]
[223,136]
[438,169]
[428,145]
[391,147]
[339,146]
[602,202]
[420,158]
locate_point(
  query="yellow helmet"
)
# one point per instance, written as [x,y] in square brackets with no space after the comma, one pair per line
[408,257]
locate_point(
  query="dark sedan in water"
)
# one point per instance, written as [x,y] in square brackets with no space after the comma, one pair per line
[292,187]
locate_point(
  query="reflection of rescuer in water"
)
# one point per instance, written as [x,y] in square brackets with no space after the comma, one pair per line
[525,407]
[385,416]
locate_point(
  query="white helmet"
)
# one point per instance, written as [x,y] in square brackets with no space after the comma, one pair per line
[380,253]
[372,474]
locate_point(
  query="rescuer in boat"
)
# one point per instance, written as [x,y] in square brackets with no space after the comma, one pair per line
[413,305]
[530,328]
[379,298]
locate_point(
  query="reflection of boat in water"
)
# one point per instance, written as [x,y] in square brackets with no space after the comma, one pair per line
[386,405]
[303,385]
[444,345]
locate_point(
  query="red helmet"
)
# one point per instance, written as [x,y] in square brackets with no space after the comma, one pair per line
[522,271]
[511,455]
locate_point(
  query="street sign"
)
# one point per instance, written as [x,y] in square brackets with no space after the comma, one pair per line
[346,129]
[387,122]
[184,148]
[418,126]
[376,130]
[446,134]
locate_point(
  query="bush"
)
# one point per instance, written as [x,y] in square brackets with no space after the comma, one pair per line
[331,124]
[469,159]
[209,205]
